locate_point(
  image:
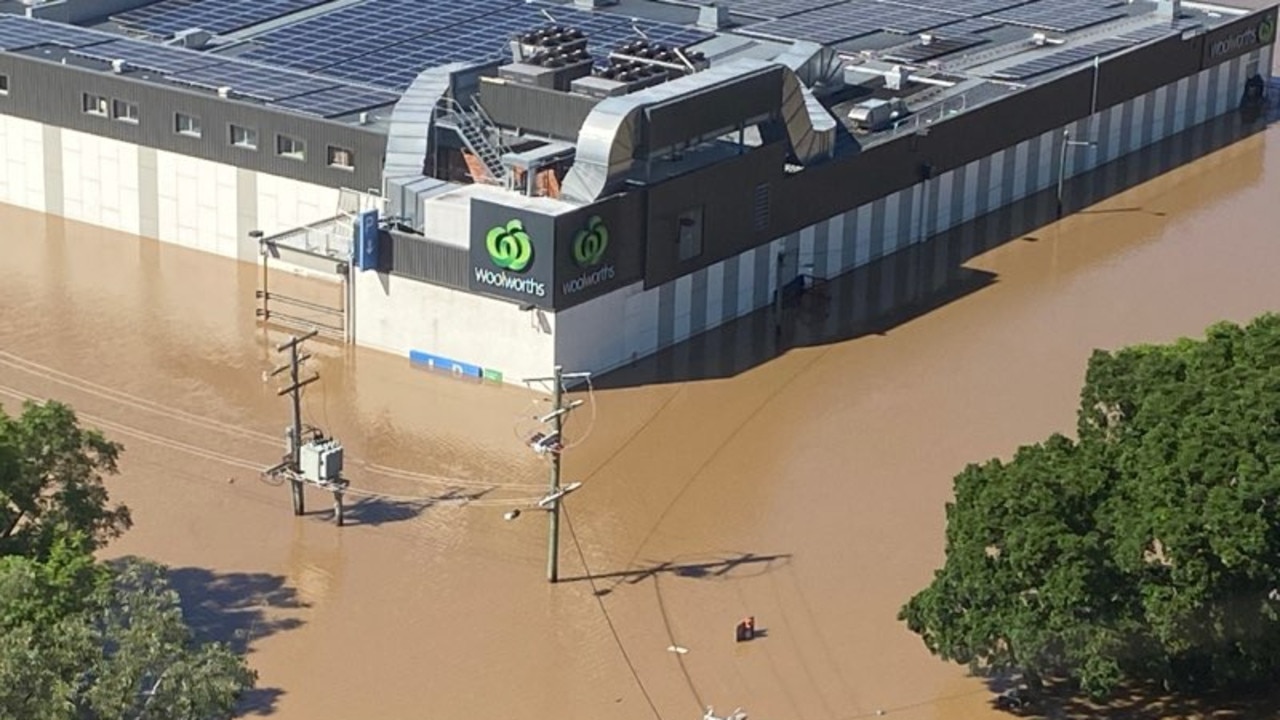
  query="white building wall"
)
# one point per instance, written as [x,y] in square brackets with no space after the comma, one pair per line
[399,315]
[22,173]
[100,181]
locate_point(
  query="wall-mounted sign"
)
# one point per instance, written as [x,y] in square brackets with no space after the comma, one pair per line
[511,253]
[364,244]
[1239,37]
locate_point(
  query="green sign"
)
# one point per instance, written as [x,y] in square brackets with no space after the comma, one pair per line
[590,243]
[509,246]
[1267,30]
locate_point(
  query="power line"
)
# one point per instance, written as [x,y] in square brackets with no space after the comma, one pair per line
[617,639]
[88,387]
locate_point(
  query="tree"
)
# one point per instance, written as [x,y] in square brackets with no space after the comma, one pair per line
[82,639]
[1147,549]
[51,481]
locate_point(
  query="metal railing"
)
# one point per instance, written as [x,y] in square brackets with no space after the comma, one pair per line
[480,135]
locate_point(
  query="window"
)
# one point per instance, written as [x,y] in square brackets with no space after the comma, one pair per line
[95,105]
[341,158]
[689,234]
[4,84]
[184,124]
[124,111]
[290,147]
[244,137]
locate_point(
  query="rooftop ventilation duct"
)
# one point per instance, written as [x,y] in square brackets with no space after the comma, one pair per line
[193,38]
[1169,9]
[897,77]
[926,39]
[117,66]
[713,17]
[224,91]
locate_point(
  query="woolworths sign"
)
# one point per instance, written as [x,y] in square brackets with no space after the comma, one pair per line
[590,244]
[555,261]
[511,253]
[1236,40]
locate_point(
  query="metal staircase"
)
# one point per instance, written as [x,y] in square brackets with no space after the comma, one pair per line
[479,134]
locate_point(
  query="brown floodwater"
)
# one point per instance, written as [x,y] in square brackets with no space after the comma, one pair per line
[806,491]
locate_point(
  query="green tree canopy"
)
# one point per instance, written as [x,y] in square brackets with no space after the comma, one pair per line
[1147,549]
[82,639]
[51,482]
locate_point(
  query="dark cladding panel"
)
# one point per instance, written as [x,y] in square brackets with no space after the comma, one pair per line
[1245,35]
[1147,68]
[715,108]
[599,248]
[721,198]
[512,253]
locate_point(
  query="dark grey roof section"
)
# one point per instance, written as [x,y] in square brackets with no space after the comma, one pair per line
[404,180]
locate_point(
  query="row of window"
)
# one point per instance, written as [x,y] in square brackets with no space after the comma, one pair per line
[240,136]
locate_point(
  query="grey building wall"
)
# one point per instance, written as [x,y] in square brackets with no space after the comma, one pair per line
[53,94]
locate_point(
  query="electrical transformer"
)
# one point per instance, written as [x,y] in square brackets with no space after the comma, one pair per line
[321,461]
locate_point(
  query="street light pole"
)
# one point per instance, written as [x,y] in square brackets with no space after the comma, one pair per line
[1067,142]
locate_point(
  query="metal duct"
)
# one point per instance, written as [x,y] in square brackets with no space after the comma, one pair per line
[609,139]
[408,143]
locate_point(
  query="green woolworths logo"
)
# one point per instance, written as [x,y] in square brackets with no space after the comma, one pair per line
[1267,30]
[509,246]
[590,243]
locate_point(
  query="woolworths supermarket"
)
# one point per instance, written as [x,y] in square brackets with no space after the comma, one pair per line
[500,186]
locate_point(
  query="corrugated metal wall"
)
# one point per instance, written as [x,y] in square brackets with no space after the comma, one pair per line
[417,258]
[547,112]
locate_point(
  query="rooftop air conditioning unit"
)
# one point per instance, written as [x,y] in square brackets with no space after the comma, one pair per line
[224,91]
[117,66]
[926,39]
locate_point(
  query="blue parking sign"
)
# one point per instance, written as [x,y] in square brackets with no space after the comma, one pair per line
[366,240]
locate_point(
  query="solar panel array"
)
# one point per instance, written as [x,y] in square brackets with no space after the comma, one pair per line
[1062,59]
[1059,15]
[774,9]
[1151,32]
[919,52]
[167,17]
[852,19]
[389,42]
[255,81]
[18,33]
[971,8]
[146,56]
[337,101]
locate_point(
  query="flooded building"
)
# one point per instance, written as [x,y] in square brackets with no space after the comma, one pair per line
[505,186]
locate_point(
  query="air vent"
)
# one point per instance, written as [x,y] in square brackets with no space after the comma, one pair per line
[760,208]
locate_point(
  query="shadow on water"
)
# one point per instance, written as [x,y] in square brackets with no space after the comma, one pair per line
[378,510]
[1060,701]
[237,609]
[921,278]
[710,569]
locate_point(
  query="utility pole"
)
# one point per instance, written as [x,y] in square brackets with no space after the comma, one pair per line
[323,458]
[553,443]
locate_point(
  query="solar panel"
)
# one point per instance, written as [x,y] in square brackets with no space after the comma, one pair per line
[146,56]
[167,17]
[18,32]
[485,38]
[363,28]
[919,52]
[969,26]
[849,20]
[1058,15]
[1059,60]
[254,81]
[338,101]
[968,8]
[774,9]
[1151,32]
